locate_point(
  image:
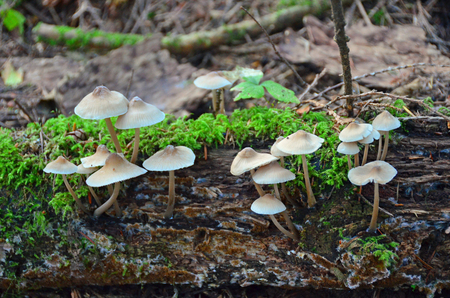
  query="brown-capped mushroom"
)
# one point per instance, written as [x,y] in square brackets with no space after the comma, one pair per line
[215,81]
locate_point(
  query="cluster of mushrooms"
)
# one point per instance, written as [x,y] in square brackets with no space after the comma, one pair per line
[301,143]
[134,114]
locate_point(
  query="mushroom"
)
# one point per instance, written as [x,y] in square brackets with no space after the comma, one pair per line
[139,114]
[273,173]
[215,81]
[103,104]
[86,171]
[348,148]
[366,141]
[302,143]
[378,172]
[64,167]
[384,123]
[355,132]
[170,159]
[269,205]
[116,169]
[248,160]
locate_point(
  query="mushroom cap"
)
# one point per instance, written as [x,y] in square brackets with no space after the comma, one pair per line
[268,205]
[376,171]
[102,103]
[277,152]
[83,170]
[348,148]
[98,159]
[272,173]
[116,169]
[211,81]
[170,159]
[369,139]
[248,159]
[385,122]
[355,132]
[60,166]
[300,142]
[139,114]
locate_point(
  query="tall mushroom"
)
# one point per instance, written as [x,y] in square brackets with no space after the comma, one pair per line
[302,143]
[348,148]
[64,167]
[170,159]
[116,169]
[139,114]
[103,104]
[214,81]
[378,172]
[384,123]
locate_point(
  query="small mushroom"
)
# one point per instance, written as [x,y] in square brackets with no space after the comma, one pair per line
[378,172]
[103,104]
[302,143]
[86,171]
[139,114]
[355,132]
[269,205]
[116,169]
[348,148]
[64,167]
[366,141]
[384,123]
[214,81]
[170,159]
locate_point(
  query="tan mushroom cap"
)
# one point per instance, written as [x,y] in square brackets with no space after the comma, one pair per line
[60,166]
[268,205]
[385,122]
[348,148]
[211,81]
[272,173]
[376,171]
[102,103]
[355,132]
[83,170]
[98,159]
[139,114]
[374,135]
[116,169]
[248,159]
[277,152]
[170,159]
[300,142]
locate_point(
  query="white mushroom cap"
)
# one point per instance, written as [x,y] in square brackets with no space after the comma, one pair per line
[60,166]
[211,81]
[300,142]
[277,152]
[83,170]
[139,114]
[268,205]
[97,159]
[376,171]
[385,122]
[116,169]
[369,139]
[355,132]
[272,173]
[102,103]
[170,159]
[248,159]
[348,148]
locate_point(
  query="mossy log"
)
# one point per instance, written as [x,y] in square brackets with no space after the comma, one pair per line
[215,240]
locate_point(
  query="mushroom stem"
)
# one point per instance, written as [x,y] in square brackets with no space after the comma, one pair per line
[286,215]
[171,201]
[222,101]
[74,196]
[309,192]
[349,162]
[113,135]
[92,191]
[257,186]
[137,133]
[386,144]
[100,210]
[215,102]
[366,151]
[283,230]
[380,146]
[357,159]
[116,204]
[284,189]
[376,203]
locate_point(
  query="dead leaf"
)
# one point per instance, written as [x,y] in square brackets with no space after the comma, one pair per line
[303,109]
[10,76]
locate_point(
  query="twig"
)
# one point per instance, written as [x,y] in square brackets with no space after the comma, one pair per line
[363,12]
[312,85]
[21,107]
[302,82]
[83,234]
[423,262]
[381,209]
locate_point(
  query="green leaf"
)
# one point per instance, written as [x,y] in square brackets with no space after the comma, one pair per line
[248,90]
[279,92]
[254,79]
[13,19]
